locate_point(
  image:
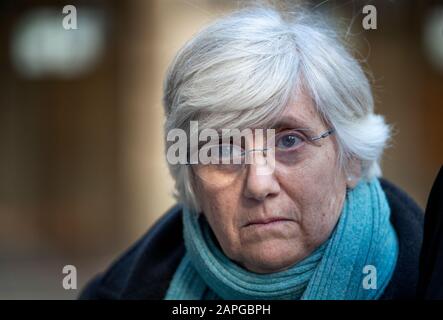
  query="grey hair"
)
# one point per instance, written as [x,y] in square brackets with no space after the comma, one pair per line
[244,69]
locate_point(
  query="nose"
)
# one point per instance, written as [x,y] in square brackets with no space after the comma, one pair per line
[260,184]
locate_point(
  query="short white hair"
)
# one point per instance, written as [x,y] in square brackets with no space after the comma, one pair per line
[245,68]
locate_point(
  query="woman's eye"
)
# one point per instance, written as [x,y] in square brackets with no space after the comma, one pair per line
[289,141]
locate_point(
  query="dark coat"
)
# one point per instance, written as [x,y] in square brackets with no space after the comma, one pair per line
[430,284]
[145,270]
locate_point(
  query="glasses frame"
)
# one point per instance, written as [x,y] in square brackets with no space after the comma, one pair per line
[264,150]
[310,139]
[313,139]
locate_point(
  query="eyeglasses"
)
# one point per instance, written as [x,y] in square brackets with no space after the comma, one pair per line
[228,160]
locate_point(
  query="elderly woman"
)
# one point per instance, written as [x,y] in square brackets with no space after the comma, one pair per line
[309,217]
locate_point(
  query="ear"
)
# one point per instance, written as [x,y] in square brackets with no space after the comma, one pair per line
[353,172]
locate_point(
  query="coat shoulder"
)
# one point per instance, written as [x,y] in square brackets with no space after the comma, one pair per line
[407,219]
[145,269]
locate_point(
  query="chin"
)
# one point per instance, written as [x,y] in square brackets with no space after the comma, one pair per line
[272,256]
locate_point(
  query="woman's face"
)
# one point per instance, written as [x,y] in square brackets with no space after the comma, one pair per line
[304,200]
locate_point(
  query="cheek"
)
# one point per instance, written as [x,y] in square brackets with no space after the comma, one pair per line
[318,192]
[219,208]
[322,212]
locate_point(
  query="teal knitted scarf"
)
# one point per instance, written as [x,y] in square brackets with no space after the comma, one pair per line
[335,270]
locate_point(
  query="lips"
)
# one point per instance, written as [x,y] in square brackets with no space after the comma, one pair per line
[267,221]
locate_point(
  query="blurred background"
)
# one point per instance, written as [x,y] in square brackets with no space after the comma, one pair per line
[82,172]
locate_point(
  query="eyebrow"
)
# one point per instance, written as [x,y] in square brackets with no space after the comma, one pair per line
[291,122]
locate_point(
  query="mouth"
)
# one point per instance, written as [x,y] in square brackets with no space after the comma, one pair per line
[267,221]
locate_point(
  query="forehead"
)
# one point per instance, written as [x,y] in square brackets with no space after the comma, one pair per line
[301,113]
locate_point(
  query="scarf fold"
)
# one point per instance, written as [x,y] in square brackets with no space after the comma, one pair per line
[362,237]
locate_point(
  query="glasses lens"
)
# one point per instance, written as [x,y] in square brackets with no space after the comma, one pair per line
[219,176]
[219,164]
